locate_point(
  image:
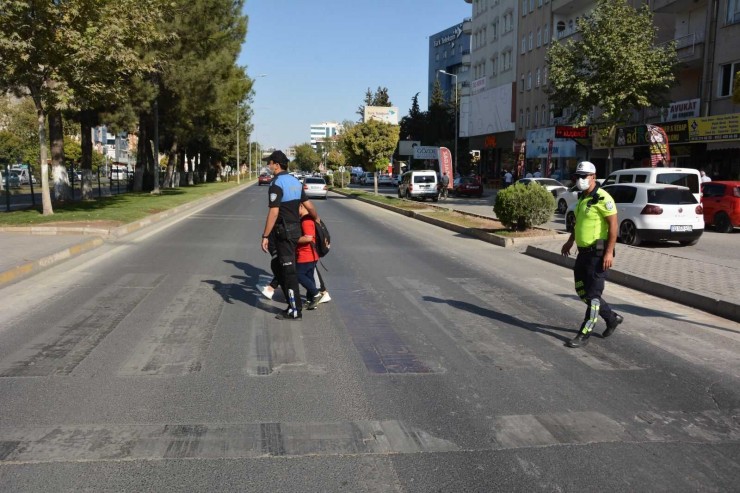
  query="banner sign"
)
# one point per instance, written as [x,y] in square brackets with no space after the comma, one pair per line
[680,110]
[406,147]
[387,114]
[426,152]
[660,154]
[714,128]
[445,164]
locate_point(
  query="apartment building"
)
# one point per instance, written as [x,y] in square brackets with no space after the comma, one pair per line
[489,119]
[323,131]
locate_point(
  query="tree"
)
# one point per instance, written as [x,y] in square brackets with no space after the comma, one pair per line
[380,98]
[736,89]
[306,158]
[370,145]
[615,66]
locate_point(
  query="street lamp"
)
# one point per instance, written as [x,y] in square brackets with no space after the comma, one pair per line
[457,102]
[249,138]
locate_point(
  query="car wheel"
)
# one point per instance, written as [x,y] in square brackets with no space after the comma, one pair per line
[570,222]
[408,195]
[562,206]
[399,194]
[629,233]
[689,242]
[722,223]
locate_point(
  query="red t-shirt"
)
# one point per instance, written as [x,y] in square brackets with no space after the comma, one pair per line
[306,252]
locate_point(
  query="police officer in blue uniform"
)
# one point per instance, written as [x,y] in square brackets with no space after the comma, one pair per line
[595,234]
[285,195]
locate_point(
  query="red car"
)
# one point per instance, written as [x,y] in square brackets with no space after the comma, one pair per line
[721,202]
[264,179]
[467,186]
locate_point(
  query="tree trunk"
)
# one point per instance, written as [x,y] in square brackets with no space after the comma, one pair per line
[169,177]
[191,165]
[47,207]
[86,119]
[60,176]
[141,154]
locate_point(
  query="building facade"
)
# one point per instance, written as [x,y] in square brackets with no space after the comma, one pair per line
[323,131]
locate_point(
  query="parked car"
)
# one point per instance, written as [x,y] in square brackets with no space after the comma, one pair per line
[653,212]
[315,187]
[552,186]
[10,179]
[118,173]
[419,184]
[24,174]
[721,203]
[264,179]
[467,186]
[385,181]
[566,198]
[367,178]
[682,177]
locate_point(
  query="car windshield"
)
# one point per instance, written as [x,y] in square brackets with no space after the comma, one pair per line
[315,180]
[671,196]
[680,179]
[424,179]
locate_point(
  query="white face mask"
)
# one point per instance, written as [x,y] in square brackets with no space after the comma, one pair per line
[582,183]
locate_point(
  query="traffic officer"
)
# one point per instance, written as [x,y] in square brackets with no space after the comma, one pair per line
[285,195]
[595,234]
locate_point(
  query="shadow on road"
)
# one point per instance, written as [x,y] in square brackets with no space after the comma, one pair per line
[244,288]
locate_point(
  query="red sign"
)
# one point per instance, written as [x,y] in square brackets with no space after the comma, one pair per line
[565,132]
[445,163]
[490,142]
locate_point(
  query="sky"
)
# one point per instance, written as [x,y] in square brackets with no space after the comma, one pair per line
[320,57]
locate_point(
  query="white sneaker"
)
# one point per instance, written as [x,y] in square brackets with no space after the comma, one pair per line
[267,291]
[324,297]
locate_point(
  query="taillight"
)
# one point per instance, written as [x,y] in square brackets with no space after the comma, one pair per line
[411,187]
[326,187]
[305,187]
[652,210]
[699,210]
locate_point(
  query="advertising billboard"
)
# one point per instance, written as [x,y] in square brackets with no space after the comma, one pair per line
[386,114]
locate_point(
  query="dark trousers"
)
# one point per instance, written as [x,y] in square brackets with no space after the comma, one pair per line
[589,276]
[289,276]
[305,278]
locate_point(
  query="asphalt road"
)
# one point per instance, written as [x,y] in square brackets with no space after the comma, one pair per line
[153,364]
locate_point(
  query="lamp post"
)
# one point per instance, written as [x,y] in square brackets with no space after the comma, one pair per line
[456,111]
[249,136]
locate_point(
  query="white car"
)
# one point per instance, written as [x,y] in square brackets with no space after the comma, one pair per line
[315,187]
[568,197]
[552,186]
[367,178]
[653,212]
[385,181]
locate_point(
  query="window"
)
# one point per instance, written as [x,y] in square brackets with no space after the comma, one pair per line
[547,33]
[507,60]
[727,74]
[545,120]
[531,6]
[537,78]
[539,37]
[508,21]
[494,29]
[539,3]
[733,11]
[536,116]
[494,64]
[521,118]
[529,81]
[527,117]
[529,46]
[524,8]
[524,45]
[544,77]
[521,87]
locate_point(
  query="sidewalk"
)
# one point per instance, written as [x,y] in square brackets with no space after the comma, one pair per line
[700,284]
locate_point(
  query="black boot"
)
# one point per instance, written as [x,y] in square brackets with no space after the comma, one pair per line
[579,340]
[611,327]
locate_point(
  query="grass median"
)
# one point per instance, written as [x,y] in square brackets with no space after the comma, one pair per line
[115,210]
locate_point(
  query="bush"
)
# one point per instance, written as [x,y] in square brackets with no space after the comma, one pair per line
[521,206]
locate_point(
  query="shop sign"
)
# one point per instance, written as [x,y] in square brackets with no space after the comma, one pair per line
[680,110]
[478,85]
[602,137]
[566,132]
[426,152]
[676,131]
[490,142]
[714,128]
[450,38]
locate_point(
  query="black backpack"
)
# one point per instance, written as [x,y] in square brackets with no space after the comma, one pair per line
[323,239]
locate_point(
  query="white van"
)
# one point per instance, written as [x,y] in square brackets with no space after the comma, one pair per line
[684,177]
[419,184]
[118,173]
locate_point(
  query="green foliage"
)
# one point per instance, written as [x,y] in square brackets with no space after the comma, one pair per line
[370,144]
[736,89]
[306,158]
[615,65]
[380,98]
[522,206]
[335,159]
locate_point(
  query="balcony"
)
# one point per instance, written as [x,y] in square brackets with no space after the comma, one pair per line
[567,7]
[466,58]
[690,48]
[467,26]
[677,6]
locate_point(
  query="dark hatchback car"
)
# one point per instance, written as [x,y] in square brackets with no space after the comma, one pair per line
[264,179]
[721,203]
[467,186]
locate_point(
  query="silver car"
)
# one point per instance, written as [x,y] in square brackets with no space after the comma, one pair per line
[315,187]
[552,186]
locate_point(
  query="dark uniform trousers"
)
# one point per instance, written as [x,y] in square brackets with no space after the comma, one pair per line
[589,275]
[289,276]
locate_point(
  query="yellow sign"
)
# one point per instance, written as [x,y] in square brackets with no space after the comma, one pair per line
[714,128]
[602,137]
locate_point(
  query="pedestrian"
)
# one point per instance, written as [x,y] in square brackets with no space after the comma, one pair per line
[595,234]
[268,290]
[508,178]
[445,182]
[285,196]
[538,173]
[306,259]
[704,177]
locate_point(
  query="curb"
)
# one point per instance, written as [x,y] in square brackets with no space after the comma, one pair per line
[693,299]
[498,240]
[102,236]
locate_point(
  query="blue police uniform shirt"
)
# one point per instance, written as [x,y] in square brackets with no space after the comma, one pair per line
[286,192]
